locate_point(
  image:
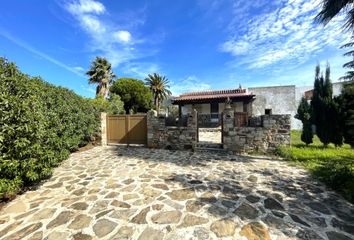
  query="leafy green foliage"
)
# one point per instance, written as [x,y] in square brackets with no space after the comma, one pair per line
[135,95]
[39,125]
[347,109]
[159,88]
[113,105]
[304,115]
[332,165]
[101,73]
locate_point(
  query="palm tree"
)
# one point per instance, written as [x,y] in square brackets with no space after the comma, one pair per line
[101,74]
[330,9]
[159,87]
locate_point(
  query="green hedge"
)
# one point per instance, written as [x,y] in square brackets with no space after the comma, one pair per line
[40,124]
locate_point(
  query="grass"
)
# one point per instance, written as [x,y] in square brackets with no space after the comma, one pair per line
[332,165]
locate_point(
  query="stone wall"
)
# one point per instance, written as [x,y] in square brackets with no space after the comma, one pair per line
[171,137]
[268,132]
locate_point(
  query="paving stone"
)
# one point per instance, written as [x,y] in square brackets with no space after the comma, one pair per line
[79,206]
[10,227]
[43,214]
[253,198]
[194,206]
[319,207]
[166,217]
[57,235]
[140,218]
[223,228]
[273,204]
[192,220]
[36,236]
[306,234]
[124,232]
[208,198]
[255,231]
[80,221]
[111,195]
[82,236]
[103,227]
[337,236]
[130,196]
[299,220]
[182,194]
[151,234]
[16,207]
[24,232]
[103,213]
[61,219]
[123,214]
[120,204]
[157,206]
[246,211]
[160,186]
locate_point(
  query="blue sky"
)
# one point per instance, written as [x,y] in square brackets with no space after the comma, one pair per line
[198,45]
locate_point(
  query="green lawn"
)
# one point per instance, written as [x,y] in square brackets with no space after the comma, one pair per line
[333,166]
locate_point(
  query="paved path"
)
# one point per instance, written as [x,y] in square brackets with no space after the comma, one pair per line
[137,193]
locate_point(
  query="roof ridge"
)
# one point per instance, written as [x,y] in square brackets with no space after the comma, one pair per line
[207,92]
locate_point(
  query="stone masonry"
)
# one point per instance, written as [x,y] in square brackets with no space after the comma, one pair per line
[171,137]
[274,130]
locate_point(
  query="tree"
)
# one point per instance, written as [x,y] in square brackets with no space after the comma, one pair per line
[101,73]
[331,8]
[304,115]
[347,109]
[135,95]
[320,104]
[159,88]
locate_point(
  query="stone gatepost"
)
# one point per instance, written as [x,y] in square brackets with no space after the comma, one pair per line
[228,125]
[104,129]
[152,125]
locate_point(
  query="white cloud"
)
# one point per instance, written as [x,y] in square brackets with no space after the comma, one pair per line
[188,84]
[107,38]
[285,33]
[122,36]
[141,69]
[86,6]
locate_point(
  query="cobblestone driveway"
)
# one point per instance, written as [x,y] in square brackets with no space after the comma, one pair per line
[137,193]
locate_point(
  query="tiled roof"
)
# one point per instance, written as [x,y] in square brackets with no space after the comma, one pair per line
[232,93]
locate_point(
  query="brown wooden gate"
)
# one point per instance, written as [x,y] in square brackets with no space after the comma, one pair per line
[127,129]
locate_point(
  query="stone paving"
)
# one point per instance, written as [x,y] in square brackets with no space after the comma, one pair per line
[209,135]
[137,193]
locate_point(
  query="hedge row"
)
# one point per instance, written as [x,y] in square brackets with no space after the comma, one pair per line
[40,124]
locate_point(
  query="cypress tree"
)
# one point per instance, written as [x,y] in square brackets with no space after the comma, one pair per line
[347,109]
[321,106]
[303,114]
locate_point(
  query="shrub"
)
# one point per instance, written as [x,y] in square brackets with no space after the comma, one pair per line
[39,125]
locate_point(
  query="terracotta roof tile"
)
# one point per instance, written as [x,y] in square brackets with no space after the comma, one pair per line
[233,93]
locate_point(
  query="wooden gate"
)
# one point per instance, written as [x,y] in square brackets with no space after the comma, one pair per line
[127,129]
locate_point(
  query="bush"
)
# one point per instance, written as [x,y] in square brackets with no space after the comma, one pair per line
[40,124]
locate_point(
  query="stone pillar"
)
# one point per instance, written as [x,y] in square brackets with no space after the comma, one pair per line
[192,120]
[228,124]
[152,124]
[104,129]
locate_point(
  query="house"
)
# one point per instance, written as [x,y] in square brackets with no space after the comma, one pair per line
[210,104]
[254,101]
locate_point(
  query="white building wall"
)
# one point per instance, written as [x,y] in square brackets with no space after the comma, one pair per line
[280,99]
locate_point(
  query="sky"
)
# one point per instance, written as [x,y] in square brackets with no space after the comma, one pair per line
[197,44]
